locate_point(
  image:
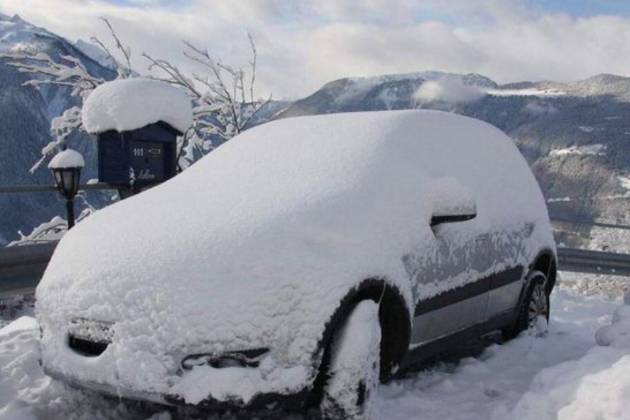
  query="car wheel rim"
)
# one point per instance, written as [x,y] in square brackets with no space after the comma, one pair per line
[538,305]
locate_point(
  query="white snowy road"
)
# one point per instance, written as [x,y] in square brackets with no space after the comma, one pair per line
[563,375]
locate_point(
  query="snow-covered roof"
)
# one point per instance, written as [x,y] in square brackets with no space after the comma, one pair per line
[67,159]
[129,104]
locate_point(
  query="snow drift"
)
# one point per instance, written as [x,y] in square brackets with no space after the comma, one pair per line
[596,386]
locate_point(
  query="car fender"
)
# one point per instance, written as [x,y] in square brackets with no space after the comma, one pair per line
[394,315]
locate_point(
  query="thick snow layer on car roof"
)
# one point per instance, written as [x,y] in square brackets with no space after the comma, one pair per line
[129,104]
[256,244]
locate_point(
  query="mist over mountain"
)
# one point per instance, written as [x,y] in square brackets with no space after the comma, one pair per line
[576,136]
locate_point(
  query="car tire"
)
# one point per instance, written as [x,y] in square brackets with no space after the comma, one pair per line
[353,371]
[533,313]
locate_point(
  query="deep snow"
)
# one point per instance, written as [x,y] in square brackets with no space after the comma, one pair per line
[128,104]
[564,375]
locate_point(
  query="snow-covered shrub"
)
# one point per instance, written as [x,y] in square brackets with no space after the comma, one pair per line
[618,333]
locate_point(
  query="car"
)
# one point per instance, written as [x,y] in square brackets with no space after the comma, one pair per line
[302,263]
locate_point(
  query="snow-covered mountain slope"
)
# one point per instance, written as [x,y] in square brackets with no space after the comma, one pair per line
[377,93]
[576,136]
[25,115]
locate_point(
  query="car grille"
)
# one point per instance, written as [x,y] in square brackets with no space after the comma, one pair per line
[88,337]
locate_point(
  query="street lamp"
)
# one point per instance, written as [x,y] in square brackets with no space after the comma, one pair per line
[66,169]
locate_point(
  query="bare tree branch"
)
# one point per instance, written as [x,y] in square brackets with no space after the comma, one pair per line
[126,51]
[252,64]
[224,97]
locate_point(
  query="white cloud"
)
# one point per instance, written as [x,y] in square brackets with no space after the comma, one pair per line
[451,91]
[303,44]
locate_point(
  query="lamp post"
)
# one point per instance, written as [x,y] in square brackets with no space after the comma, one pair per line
[66,169]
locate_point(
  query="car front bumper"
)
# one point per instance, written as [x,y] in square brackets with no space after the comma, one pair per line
[271,401]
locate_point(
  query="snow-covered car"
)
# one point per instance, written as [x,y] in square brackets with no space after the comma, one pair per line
[301,263]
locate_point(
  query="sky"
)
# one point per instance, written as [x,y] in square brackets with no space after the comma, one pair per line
[303,44]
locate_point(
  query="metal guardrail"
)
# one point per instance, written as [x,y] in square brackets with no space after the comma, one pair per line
[594,262]
[598,223]
[21,267]
[6,189]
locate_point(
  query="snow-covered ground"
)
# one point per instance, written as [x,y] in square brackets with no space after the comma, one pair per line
[563,375]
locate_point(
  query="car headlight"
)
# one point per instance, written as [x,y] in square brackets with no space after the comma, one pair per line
[242,358]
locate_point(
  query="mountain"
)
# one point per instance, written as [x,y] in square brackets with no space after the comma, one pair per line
[576,136]
[376,93]
[25,115]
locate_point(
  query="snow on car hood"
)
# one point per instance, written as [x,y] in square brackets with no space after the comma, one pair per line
[256,244]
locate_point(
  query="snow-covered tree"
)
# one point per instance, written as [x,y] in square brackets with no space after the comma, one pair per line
[68,71]
[223,96]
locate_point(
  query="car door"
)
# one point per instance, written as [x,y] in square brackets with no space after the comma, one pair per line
[450,294]
[508,247]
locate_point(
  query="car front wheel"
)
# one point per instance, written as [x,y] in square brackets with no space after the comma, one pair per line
[353,372]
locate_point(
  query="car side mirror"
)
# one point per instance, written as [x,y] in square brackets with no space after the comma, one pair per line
[453,203]
[454,214]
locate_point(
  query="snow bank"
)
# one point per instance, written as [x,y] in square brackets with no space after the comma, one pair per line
[618,333]
[26,393]
[22,323]
[596,386]
[67,159]
[128,104]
